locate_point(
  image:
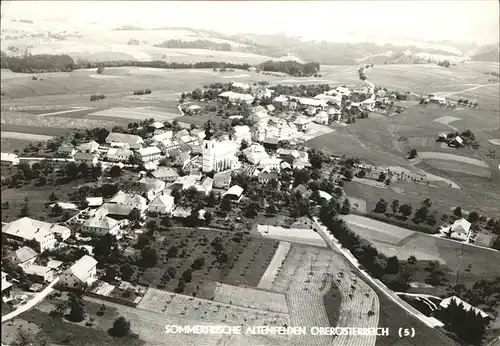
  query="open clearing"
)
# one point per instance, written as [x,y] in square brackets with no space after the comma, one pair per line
[446,119]
[384,232]
[24,136]
[452,157]
[459,167]
[135,114]
[250,298]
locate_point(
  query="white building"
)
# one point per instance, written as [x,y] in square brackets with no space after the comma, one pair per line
[149,154]
[260,118]
[101,225]
[321,118]
[119,155]
[89,147]
[242,132]
[162,204]
[23,257]
[26,229]
[42,273]
[89,159]
[82,273]
[205,186]
[237,97]
[461,226]
[255,153]
[151,187]
[222,180]
[132,141]
[235,192]
[219,156]
[162,136]
[302,123]
[320,104]
[10,159]
[131,200]
[66,150]
[167,146]
[240,85]
[166,174]
[270,164]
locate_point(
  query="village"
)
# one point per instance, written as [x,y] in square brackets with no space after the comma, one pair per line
[238,172]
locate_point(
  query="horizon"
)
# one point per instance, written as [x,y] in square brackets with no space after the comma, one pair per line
[470,21]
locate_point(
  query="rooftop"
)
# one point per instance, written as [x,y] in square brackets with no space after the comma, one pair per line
[82,267]
[149,151]
[234,190]
[25,254]
[28,228]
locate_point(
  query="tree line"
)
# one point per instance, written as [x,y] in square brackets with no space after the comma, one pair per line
[37,63]
[162,64]
[197,44]
[291,68]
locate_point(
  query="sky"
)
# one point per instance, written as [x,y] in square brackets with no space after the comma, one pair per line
[316,20]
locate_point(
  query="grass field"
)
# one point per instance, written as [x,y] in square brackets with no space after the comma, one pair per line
[459,167]
[483,262]
[137,114]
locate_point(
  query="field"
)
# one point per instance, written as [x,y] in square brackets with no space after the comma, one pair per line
[25,136]
[483,262]
[137,114]
[247,260]
[306,276]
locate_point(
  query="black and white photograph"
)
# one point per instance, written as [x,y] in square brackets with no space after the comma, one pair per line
[250,173]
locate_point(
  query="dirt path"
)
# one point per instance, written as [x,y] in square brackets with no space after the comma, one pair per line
[462,91]
[266,281]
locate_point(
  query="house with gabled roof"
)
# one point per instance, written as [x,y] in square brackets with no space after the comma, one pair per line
[132,200]
[23,257]
[133,141]
[26,229]
[82,273]
[162,204]
[166,174]
[89,147]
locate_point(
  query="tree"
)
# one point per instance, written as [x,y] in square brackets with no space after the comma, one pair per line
[413,154]
[457,212]
[346,207]
[53,197]
[77,312]
[426,203]
[24,210]
[72,171]
[121,327]
[143,241]
[225,204]
[473,217]
[166,221]
[382,176]
[149,257]
[96,171]
[115,171]
[198,263]
[134,216]
[111,274]
[406,210]
[348,174]
[381,206]
[57,210]
[23,338]
[392,265]
[395,206]
[187,275]
[83,168]
[412,260]
[126,271]
[271,209]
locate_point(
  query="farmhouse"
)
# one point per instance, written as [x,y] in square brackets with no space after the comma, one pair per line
[151,187]
[10,159]
[133,141]
[321,118]
[329,98]
[343,91]
[90,159]
[239,85]
[149,154]
[162,136]
[26,229]
[167,146]
[222,180]
[457,141]
[39,273]
[82,273]
[184,182]
[438,100]
[460,226]
[166,174]
[255,153]
[205,186]
[6,288]
[288,154]
[131,200]
[302,123]
[89,147]
[157,125]
[219,156]
[119,155]
[193,109]
[270,164]
[94,201]
[281,100]
[162,204]
[368,104]
[237,97]
[101,225]
[66,150]
[313,103]
[23,257]
[181,159]
[235,192]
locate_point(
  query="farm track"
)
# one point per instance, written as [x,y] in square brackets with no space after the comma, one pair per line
[273,268]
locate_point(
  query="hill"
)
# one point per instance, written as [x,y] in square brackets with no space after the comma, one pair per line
[487,53]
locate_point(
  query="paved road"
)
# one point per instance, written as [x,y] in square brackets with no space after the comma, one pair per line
[31,303]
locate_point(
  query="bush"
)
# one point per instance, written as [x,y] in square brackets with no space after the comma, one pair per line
[121,327]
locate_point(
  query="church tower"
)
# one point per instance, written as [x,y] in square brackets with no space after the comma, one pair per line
[208,156]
